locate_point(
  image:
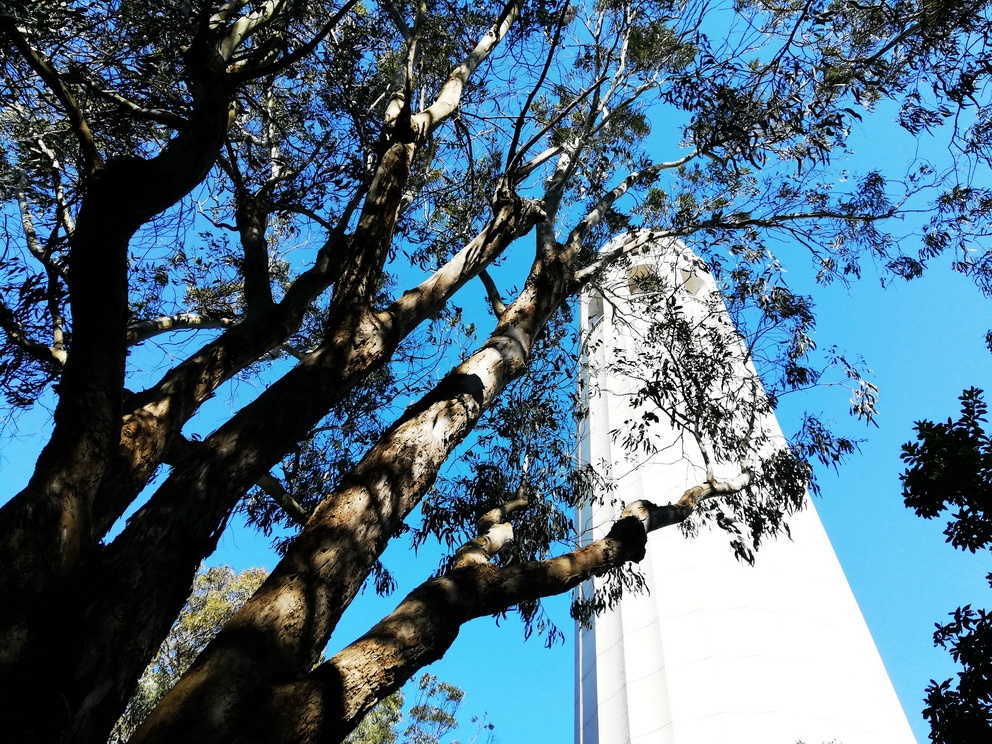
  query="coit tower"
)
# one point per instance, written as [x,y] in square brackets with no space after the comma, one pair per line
[715,650]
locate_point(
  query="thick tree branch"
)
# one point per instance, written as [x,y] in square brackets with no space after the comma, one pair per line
[450,95]
[156,415]
[348,531]
[226,12]
[492,293]
[45,354]
[496,533]
[483,548]
[374,232]
[397,19]
[501,512]
[271,485]
[340,692]
[301,52]
[162,411]
[120,196]
[160,116]
[513,217]
[714,488]
[252,218]
[245,26]
[198,496]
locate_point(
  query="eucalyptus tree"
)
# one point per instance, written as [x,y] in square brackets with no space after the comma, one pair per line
[218,592]
[300,208]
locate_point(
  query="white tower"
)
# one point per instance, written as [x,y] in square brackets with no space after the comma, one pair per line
[717,651]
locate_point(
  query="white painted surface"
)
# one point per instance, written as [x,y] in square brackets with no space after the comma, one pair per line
[718,651]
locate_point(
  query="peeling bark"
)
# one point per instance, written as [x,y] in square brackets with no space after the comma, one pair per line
[169,537]
[328,702]
[290,618]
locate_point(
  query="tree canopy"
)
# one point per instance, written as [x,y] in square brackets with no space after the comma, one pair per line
[949,467]
[290,257]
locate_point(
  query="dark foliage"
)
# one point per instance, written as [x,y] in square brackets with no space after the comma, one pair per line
[949,468]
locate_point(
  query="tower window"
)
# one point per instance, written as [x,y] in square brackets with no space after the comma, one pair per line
[642,279]
[691,281]
[594,309]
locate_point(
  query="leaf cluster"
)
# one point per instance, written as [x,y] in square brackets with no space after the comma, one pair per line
[949,467]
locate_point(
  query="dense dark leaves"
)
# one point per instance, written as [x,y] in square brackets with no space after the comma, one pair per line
[963,712]
[949,467]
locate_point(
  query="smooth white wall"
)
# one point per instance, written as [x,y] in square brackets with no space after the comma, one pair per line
[718,651]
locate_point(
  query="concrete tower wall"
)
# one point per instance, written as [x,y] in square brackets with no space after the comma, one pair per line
[717,651]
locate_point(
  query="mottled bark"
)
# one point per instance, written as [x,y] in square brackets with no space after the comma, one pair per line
[47,530]
[352,264]
[153,418]
[252,218]
[70,673]
[291,617]
[338,693]
[327,703]
[142,578]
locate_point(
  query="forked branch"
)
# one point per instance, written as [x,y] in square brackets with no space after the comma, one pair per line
[47,355]
[425,624]
[495,533]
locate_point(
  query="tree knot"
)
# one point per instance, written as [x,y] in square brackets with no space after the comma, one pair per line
[632,540]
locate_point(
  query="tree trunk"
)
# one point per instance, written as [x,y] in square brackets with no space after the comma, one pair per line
[48,542]
[281,631]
